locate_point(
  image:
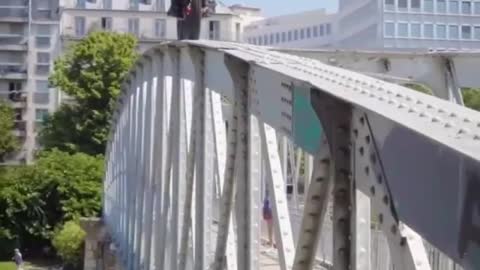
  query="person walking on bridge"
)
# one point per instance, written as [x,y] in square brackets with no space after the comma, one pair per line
[18,259]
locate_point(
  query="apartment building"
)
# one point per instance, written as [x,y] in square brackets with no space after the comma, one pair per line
[309,29]
[409,24]
[146,19]
[379,24]
[28,40]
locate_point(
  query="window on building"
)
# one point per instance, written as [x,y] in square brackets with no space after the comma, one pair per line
[260,42]
[476,7]
[214,30]
[309,32]
[277,38]
[428,30]
[42,86]
[328,29]
[390,5]
[289,36]
[42,42]
[441,31]
[322,30]
[43,30]
[476,32]
[133,26]
[107,23]
[441,6]
[453,32]
[79,26]
[43,58]
[453,6]
[272,39]
[265,39]
[428,5]
[402,29]
[295,35]
[415,30]
[14,86]
[466,7]
[466,32]
[238,32]
[415,5]
[302,34]
[389,29]
[81,3]
[315,31]
[402,4]
[107,4]
[160,28]
[41,114]
[284,37]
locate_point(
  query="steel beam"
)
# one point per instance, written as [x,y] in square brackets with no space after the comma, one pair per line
[276,184]
[317,197]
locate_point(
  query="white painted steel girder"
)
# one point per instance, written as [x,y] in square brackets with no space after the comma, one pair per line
[414,158]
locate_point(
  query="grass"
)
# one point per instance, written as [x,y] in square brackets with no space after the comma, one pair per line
[7,266]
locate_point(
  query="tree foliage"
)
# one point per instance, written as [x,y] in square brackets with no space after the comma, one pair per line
[68,241]
[8,141]
[58,188]
[471,98]
[420,88]
[91,72]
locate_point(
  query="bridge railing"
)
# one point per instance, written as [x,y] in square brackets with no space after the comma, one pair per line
[379,151]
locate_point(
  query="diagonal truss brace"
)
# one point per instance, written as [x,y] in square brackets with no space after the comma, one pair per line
[406,246]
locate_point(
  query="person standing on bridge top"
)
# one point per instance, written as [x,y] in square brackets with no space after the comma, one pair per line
[18,259]
[268,217]
[181,8]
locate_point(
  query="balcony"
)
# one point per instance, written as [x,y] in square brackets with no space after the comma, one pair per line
[17,99]
[16,158]
[13,42]
[20,128]
[13,71]
[14,11]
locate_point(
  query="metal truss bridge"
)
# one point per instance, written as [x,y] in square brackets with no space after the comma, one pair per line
[204,130]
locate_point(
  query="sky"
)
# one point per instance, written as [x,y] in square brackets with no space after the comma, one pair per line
[280,7]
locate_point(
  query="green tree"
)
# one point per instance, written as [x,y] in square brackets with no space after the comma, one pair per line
[68,241]
[471,98]
[8,141]
[420,88]
[34,199]
[91,72]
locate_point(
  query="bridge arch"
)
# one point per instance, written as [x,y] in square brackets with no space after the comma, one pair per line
[410,157]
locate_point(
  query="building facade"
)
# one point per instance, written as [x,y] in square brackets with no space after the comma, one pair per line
[34,32]
[311,29]
[386,24]
[28,41]
[146,19]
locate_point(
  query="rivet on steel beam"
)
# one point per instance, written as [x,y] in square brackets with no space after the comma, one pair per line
[435,119]
[385,199]
[394,229]
[367,170]
[379,179]
[372,190]
[463,131]
[367,139]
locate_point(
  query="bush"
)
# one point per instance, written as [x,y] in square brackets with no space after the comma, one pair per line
[69,241]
